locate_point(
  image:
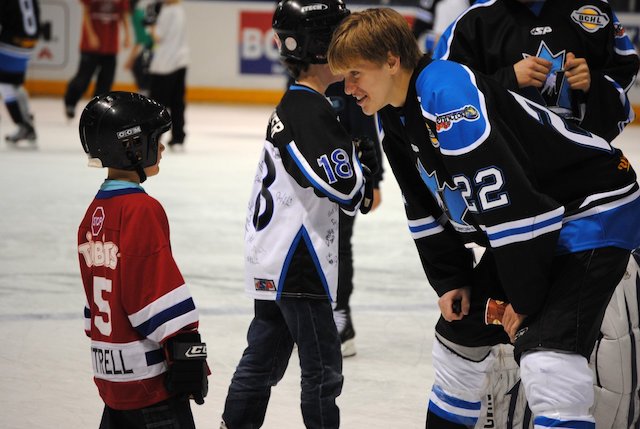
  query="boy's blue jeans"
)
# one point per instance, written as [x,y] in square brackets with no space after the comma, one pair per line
[272,333]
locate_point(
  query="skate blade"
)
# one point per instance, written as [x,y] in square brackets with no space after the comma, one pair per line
[348,348]
[28,145]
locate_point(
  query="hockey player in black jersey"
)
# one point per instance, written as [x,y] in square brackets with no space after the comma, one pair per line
[19,31]
[309,170]
[571,56]
[575,58]
[556,206]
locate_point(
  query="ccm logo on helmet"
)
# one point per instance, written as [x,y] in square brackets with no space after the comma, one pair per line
[317,6]
[129,132]
[196,351]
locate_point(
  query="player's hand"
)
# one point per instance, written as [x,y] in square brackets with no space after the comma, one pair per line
[511,322]
[366,151]
[367,199]
[93,40]
[455,304]
[532,71]
[576,70]
[377,198]
[188,370]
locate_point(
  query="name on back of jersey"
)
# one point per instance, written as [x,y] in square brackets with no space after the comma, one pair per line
[276,124]
[98,253]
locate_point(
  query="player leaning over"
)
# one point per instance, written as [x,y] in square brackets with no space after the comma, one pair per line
[557,208]
[307,173]
[146,351]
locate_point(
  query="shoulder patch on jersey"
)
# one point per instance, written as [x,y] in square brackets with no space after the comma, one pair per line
[466,113]
[449,96]
[590,18]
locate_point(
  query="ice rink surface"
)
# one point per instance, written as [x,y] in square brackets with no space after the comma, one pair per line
[45,368]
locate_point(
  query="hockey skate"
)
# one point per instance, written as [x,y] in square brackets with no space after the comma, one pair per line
[24,132]
[69,111]
[346,332]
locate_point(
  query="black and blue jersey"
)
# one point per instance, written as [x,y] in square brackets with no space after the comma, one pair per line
[496,169]
[493,35]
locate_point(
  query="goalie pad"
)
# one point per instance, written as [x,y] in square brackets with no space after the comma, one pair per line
[614,363]
[504,405]
[614,359]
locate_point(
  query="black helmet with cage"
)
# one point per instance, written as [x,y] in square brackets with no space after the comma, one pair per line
[122,130]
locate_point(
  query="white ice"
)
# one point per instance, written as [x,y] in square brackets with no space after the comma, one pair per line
[45,369]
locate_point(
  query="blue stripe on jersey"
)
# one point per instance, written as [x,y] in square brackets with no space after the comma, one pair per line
[322,186]
[546,422]
[453,409]
[449,97]
[525,229]
[441,51]
[424,227]
[102,195]
[113,188]
[154,357]
[87,313]
[112,185]
[618,227]
[295,87]
[622,44]
[624,100]
[148,327]
[13,63]
[302,234]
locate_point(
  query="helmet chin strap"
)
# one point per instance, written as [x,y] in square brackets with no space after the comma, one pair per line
[141,173]
[138,165]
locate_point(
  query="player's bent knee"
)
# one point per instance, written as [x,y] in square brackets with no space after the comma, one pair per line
[459,385]
[557,384]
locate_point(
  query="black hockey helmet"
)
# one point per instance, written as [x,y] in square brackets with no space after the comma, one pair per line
[122,129]
[304,28]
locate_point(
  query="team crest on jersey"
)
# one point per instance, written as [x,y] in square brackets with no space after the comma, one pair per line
[264,285]
[445,121]
[590,18]
[97,220]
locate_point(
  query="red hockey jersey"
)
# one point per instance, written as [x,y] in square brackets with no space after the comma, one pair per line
[136,296]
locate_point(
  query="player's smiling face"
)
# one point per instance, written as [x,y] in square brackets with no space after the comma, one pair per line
[371,84]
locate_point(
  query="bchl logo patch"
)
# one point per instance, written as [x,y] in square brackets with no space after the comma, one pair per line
[264,285]
[97,220]
[129,132]
[590,18]
[446,120]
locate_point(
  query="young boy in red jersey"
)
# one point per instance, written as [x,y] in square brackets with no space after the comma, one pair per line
[147,355]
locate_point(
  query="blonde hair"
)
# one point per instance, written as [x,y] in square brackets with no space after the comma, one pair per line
[371,35]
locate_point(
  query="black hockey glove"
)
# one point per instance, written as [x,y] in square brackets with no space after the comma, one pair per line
[367,199]
[367,153]
[188,371]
